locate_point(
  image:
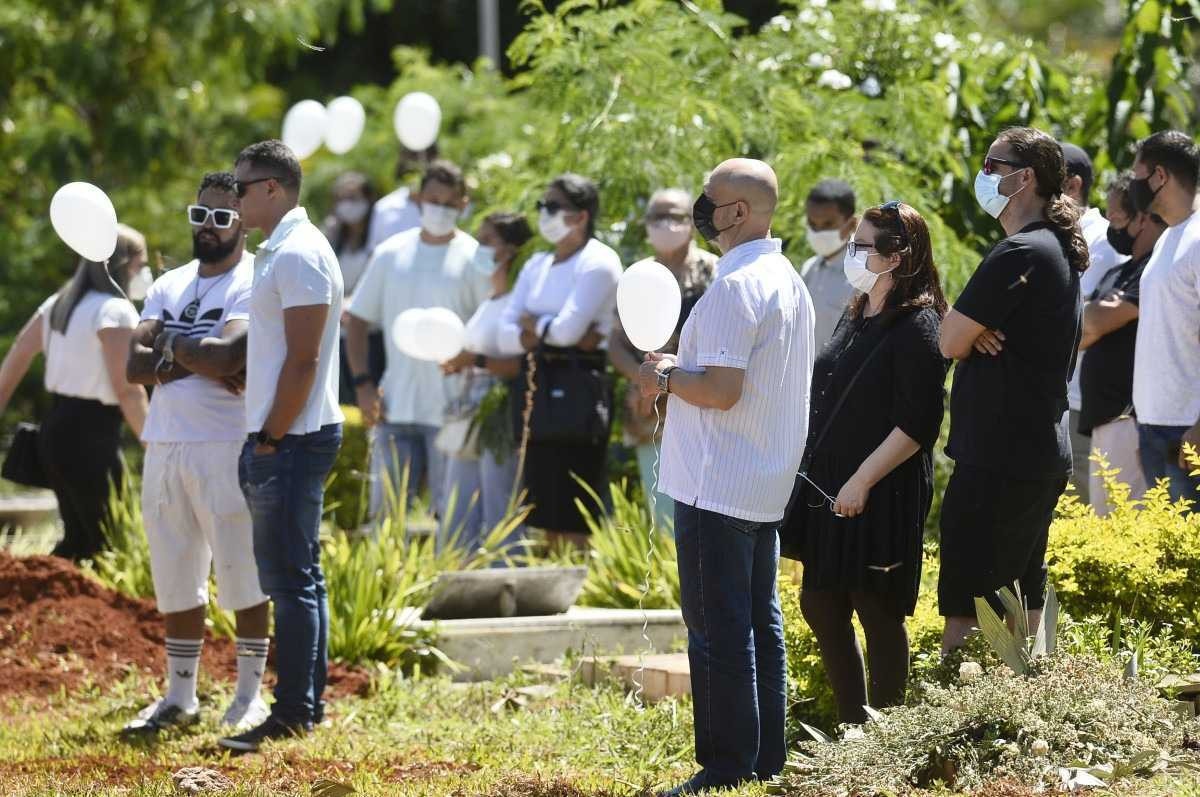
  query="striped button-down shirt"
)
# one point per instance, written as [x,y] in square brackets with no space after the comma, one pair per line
[742,462]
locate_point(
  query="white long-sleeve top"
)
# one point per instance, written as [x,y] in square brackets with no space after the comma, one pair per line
[566,297]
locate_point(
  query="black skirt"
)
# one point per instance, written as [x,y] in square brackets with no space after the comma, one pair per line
[550,472]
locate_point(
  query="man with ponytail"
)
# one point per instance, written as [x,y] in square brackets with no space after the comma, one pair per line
[1014,332]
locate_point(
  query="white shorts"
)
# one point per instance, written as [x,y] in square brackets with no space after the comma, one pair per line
[196,518]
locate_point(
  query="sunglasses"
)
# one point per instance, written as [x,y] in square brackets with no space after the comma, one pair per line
[551,206]
[242,186]
[894,207]
[222,218]
[990,164]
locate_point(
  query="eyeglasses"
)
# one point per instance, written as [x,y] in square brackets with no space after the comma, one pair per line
[854,247]
[990,163]
[242,186]
[222,218]
[894,207]
[551,206]
[678,218]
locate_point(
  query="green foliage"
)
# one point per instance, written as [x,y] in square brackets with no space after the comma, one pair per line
[1071,718]
[1139,562]
[348,489]
[1016,647]
[125,565]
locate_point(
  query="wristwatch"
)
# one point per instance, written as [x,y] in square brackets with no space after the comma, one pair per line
[265,439]
[361,379]
[168,350]
[481,361]
[664,379]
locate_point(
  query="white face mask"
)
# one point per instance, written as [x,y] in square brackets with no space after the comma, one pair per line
[139,284]
[485,259]
[668,236]
[438,220]
[987,193]
[858,275]
[825,242]
[553,227]
[351,211]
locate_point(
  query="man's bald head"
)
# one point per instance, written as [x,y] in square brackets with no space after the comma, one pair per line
[748,180]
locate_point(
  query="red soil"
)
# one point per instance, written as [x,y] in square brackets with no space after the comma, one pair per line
[60,630]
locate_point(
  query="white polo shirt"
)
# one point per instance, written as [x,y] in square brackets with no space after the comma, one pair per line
[1166,363]
[296,267]
[757,316]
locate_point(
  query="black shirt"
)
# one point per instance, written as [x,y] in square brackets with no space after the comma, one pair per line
[1007,411]
[1106,369]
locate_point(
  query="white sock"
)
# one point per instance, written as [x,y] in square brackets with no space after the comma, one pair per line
[251,664]
[183,666]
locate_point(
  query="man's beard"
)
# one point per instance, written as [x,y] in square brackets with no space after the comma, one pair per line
[213,251]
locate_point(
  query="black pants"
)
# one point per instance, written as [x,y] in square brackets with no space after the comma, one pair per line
[79,447]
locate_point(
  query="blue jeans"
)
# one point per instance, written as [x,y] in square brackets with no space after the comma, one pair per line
[401,445]
[286,493]
[662,508]
[477,493]
[1158,448]
[727,570]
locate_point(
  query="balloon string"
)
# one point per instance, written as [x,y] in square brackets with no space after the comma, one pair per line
[639,676]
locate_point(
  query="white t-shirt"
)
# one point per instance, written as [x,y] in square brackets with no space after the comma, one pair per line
[75,360]
[392,214]
[741,462]
[405,272]
[483,329]
[567,297]
[296,267]
[1166,363]
[196,408]
[1101,259]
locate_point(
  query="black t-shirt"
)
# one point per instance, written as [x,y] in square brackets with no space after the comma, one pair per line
[1106,369]
[1007,411]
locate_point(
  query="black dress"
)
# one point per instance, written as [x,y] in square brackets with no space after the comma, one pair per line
[902,385]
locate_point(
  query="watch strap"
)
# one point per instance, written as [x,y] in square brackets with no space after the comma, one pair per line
[362,379]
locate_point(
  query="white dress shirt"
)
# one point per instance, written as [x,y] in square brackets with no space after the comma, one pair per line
[296,267]
[566,297]
[392,214]
[741,462]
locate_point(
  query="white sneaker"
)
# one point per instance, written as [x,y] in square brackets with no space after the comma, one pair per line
[242,714]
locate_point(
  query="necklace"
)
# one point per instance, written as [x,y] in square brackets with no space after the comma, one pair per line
[193,308]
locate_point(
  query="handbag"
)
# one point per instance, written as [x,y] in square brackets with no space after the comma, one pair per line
[791,530]
[571,399]
[459,435]
[22,464]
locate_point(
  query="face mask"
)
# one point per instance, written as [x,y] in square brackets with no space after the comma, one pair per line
[668,236]
[485,259]
[351,211]
[1121,240]
[825,242]
[858,275]
[1141,194]
[987,193]
[553,226]
[702,217]
[438,220]
[140,284]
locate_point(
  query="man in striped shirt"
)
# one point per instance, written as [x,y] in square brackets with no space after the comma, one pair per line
[737,419]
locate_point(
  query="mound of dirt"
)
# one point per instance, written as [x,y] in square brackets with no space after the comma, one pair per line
[60,630]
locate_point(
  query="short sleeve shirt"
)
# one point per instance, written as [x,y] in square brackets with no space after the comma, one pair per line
[1007,411]
[75,364]
[1106,369]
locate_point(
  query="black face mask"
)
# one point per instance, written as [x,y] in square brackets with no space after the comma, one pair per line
[702,217]
[213,251]
[1120,240]
[1141,194]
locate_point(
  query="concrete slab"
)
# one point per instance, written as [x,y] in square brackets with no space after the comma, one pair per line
[28,510]
[492,647]
[655,676]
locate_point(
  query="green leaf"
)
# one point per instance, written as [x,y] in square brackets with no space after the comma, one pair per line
[817,735]
[1000,638]
[330,788]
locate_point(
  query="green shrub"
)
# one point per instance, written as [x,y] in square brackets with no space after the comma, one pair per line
[348,489]
[1139,563]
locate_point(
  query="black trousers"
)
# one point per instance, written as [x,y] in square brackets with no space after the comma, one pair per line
[79,446]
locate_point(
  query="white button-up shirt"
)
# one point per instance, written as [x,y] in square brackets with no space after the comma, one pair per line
[741,462]
[296,267]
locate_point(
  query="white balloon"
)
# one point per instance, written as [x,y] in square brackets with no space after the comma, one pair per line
[417,119]
[648,302]
[84,217]
[440,335]
[304,127]
[404,330]
[345,121]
